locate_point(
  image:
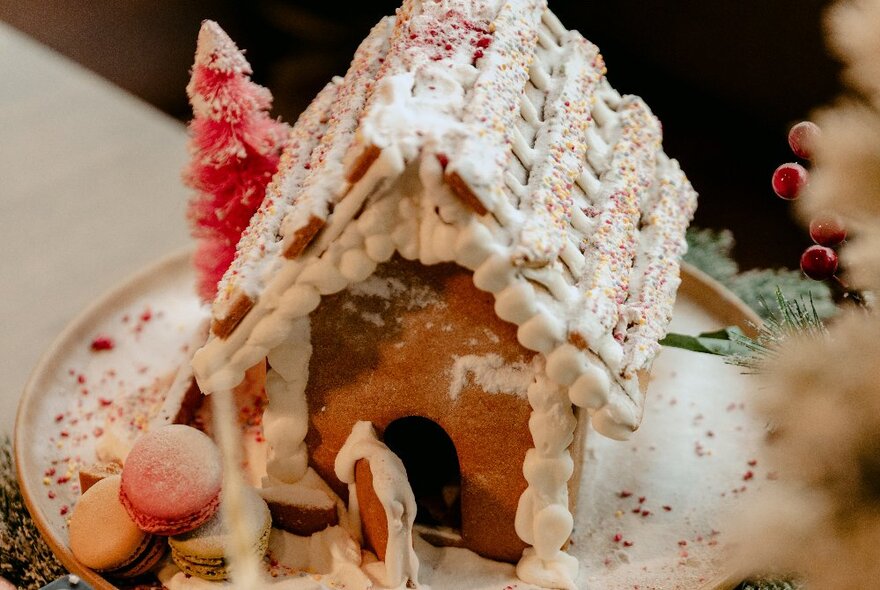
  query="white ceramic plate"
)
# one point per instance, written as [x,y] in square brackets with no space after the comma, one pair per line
[688,461]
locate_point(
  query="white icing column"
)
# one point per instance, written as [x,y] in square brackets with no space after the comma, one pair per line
[543,517]
[286,418]
[395,494]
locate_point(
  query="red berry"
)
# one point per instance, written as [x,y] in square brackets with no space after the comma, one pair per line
[819,262]
[788,180]
[802,138]
[827,230]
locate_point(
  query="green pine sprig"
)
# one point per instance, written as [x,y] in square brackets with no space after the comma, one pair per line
[25,559]
[791,317]
[711,251]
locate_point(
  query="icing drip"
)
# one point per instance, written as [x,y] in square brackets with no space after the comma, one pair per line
[393,490]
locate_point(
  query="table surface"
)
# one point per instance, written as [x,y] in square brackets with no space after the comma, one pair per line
[90,193]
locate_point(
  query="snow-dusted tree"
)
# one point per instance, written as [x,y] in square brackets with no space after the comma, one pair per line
[235,147]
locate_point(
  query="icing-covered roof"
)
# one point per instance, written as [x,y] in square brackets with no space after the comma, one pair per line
[486,134]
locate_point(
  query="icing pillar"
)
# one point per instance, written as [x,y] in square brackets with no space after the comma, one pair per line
[286,418]
[543,518]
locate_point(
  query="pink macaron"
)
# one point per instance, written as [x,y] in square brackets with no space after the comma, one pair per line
[171,480]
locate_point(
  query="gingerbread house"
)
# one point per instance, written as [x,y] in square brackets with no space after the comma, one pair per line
[472,245]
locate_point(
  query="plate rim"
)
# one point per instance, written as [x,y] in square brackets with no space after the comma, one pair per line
[707,292]
[152,271]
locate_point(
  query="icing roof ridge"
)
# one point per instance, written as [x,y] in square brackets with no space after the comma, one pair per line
[611,248]
[480,159]
[559,151]
[650,304]
[436,53]
[326,181]
[259,242]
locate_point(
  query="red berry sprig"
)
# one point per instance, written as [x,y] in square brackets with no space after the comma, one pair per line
[789,180]
[802,138]
[828,230]
[819,262]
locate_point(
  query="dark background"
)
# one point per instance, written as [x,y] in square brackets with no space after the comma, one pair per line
[726,77]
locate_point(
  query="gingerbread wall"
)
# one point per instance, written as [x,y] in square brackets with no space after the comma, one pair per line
[387,349]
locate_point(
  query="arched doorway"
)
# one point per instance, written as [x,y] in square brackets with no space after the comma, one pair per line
[432,468]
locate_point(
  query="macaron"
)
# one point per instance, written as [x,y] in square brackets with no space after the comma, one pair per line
[171,480]
[104,538]
[202,552]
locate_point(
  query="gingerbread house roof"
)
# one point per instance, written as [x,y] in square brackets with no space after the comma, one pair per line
[482,133]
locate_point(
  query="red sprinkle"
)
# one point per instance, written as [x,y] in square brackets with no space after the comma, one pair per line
[667,508]
[59,417]
[627,543]
[682,543]
[618,538]
[625,493]
[64,510]
[443,159]
[641,499]
[51,494]
[147,315]
[748,475]
[102,343]
[753,462]
[81,379]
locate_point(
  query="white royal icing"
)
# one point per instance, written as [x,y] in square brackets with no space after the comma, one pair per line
[584,223]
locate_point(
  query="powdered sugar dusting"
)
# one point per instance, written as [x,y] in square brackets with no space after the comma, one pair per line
[171,473]
[492,374]
[414,296]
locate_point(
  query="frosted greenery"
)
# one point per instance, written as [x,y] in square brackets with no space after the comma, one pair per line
[710,251]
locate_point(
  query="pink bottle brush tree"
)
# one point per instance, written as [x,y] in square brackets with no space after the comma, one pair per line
[235,147]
